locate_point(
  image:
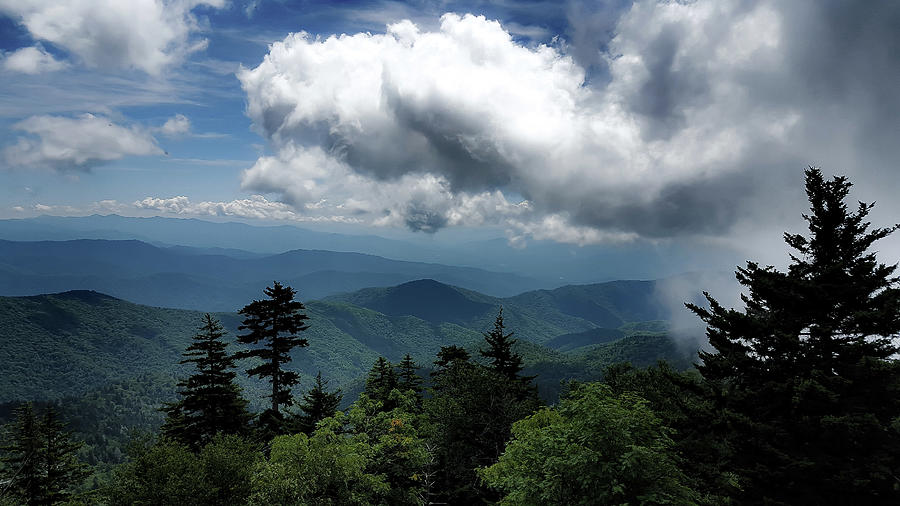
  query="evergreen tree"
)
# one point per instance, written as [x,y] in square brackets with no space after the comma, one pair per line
[39,459]
[277,322]
[62,469]
[211,402]
[318,403]
[380,381]
[503,359]
[22,457]
[449,356]
[472,410]
[806,376]
[407,378]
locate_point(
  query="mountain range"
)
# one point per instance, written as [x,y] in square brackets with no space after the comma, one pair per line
[547,261]
[189,278]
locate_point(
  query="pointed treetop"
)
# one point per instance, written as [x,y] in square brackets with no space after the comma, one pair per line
[503,359]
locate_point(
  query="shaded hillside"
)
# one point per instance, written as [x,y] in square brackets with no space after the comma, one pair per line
[426,299]
[70,343]
[620,307]
[599,335]
[606,305]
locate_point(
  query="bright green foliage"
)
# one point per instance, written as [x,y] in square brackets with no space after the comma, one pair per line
[327,468]
[277,322]
[169,472]
[683,402]
[381,380]
[395,435]
[503,360]
[595,448]
[317,404]
[211,402]
[807,376]
[369,456]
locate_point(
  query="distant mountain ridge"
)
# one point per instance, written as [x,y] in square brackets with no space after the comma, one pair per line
[172,277]
[544,260]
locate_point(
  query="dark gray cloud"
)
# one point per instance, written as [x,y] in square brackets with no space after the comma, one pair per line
[590,26]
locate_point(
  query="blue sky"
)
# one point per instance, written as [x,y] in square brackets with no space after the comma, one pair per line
[578,122]
[206,163]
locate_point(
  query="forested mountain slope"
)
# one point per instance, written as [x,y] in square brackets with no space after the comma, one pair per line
[69,343]
[539,316]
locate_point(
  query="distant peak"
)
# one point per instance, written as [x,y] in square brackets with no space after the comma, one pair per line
[423,282]
[84,295]
[88,296]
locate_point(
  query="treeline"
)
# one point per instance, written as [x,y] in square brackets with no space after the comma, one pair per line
[797,402]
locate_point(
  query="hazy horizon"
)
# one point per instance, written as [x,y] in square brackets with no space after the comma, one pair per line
[597,125]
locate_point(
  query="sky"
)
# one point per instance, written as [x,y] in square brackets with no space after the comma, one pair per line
[584,123]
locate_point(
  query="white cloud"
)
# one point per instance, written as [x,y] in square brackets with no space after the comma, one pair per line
[420,125]
[80,143]
[144,34]
[250,8]
[557,228]
[255,207]
[180,126]
[101,206]
[31,60]
[175,126]
[310,179]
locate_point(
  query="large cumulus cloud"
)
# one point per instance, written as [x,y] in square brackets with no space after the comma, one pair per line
[710,110]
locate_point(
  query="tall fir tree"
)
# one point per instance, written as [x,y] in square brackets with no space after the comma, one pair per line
[472,409]
[503,360]
[317,404]
[211,401]
[277,323]
[407,377]
[806,376]
[380,381]
[39,455]
[22,457]
[62,469]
